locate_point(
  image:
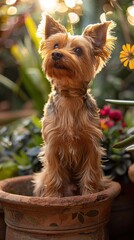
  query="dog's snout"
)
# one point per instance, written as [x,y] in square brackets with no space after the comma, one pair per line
[57,56]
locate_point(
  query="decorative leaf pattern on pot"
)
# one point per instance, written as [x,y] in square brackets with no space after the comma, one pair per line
[81,218]
[53,225]
[81,215]
[92,213]
[74,215]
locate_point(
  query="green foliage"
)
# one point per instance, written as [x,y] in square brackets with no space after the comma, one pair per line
[31,73]
[120,102]
[129,141]
[8,169]
[117,135]
[32,79]
[13,86]
[20,145]
[125,142]
[21,159]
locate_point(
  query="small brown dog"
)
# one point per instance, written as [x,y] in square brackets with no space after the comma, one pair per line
[71,155]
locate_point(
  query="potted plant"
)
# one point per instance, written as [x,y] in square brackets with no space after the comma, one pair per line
[118,134]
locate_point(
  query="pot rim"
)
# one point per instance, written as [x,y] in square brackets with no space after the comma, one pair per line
[5,197]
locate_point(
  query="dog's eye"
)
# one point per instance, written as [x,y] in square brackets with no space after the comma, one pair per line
[78,51]
[56,45]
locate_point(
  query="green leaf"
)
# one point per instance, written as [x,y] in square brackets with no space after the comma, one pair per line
[21,158]
[33,91]
[36,121]
[115,157]
[129,117]
[120,102]
[12,86]
[8,169]
[126,142]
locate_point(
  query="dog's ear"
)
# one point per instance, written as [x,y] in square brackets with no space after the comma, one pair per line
[98,33]
[48,26]
[102,41]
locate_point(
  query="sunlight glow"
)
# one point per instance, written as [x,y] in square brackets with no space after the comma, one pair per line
[12,10]
[103,17]
[73,17]
[10,2]
[130,15]
[62,8]
[70,3]
[130,20]
[130,11]
[79,2]
[48,6]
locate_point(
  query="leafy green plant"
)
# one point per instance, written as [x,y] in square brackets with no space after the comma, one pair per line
[32,77]
[20,145]
[128,142]
[116,131]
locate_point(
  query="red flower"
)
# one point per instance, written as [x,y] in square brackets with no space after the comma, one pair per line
[124,124]
[115,115]
[105,111]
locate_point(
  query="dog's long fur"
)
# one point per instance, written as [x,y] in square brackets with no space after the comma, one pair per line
[71,154]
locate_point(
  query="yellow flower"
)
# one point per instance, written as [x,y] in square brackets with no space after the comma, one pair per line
[127,56]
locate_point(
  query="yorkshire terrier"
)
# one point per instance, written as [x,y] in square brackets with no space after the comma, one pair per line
[71,153]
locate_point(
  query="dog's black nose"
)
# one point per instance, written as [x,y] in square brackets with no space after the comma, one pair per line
[57,56]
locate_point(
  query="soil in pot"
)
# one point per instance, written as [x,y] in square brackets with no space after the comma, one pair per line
[78,217]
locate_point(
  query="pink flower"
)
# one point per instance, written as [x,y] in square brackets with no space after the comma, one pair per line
[105,111]
[115,115]
[110,123]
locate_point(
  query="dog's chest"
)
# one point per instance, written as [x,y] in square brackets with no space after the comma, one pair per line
[67,119]
[71,120]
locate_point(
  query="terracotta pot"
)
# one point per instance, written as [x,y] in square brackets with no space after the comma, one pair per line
[30,218]
[2,224]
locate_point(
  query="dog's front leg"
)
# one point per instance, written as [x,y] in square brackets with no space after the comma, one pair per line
[91,173]
[48,183]
[54,174]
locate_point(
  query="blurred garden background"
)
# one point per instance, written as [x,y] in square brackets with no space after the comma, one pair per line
[24,88]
